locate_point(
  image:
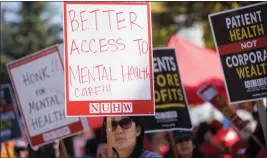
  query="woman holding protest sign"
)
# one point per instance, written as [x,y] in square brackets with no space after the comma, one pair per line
[127,137]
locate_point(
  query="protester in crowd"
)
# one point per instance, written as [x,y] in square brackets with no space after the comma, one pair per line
[203,139]
[148,145]
[159,143]
[252,147]
[185,146]
[51,150]
[91,148]
[102,151]
[128,137]
[215,126]
[92,142]
[21,149]
[69,145]
[85,144]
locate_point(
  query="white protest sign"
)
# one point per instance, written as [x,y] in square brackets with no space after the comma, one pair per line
[108,58]
[38,82]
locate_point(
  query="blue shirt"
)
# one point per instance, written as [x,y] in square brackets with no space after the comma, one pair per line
[149,154]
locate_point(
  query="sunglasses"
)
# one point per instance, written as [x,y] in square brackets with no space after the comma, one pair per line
[124,123]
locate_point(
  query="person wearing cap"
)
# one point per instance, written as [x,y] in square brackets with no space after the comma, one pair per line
[21,149]
[185,146]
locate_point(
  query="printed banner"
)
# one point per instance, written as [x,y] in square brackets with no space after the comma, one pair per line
[108,58]
[210,94]
[171,103]
[10,121]
[38,82]
[241,41]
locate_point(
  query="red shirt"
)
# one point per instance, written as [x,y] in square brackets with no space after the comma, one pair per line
[262,153]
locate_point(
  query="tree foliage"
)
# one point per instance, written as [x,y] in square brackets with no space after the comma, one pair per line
[32,32]
[165,15]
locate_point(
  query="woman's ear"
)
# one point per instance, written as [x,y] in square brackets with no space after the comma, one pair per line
[138,130]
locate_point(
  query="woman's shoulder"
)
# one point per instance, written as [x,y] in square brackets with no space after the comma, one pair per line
[149,154]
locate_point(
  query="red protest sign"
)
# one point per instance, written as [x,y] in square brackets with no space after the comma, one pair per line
[108,58]
[37,80]
[210,94]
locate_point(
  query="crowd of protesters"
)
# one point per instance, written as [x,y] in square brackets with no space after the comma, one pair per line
[129,140]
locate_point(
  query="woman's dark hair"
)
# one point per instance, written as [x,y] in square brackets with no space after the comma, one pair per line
[199,138]
[139,140]
[91,146]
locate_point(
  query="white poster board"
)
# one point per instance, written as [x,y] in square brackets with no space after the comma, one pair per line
[108,58]
[38,82]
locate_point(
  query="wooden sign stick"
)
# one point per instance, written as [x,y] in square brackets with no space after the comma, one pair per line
[173,146]
[63,150]
[257,141]
[263,118]
[254,138]
[109,137]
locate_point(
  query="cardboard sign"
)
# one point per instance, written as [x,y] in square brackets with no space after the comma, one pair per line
[171,103]
[108,58]
[240,37]
[210,94]
[38,82]
[10,123]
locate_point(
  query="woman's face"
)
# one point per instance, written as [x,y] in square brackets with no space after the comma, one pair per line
[185,146]
[124,132]
[23,153]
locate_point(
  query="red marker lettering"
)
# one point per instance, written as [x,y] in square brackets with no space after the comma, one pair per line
[109,21]
[142,46]
[113,44]
[98,71]
[97,90]
[119,21]
[139,45]
[84,74]
[95,11]
[73,20]
[74,47]
[72,75]
[121,44]
[83,20]
[133,19]
[91,45]
[86,51]
[101,45]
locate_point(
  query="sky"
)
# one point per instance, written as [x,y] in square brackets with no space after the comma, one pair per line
[16,5]
[12,6]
